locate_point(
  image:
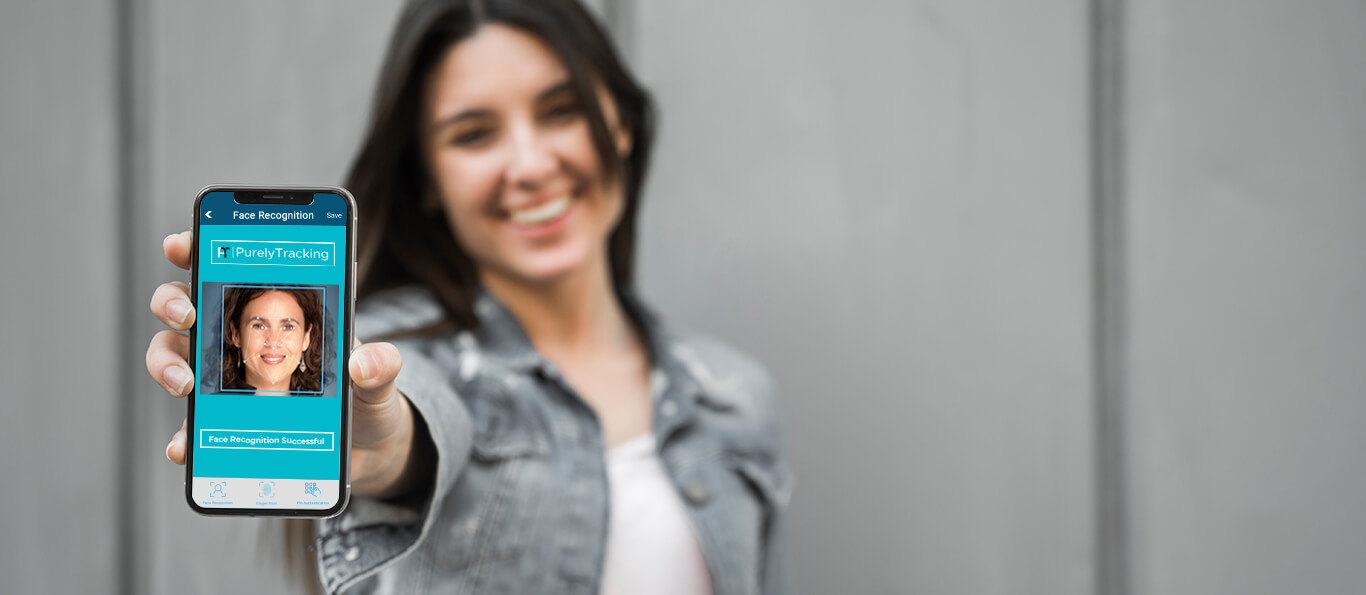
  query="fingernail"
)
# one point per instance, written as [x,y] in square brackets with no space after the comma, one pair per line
[178,310]
[368,365]
[177,377]
[168,451]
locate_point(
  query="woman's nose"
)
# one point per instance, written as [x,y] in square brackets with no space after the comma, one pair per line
[274,337]
[532,161]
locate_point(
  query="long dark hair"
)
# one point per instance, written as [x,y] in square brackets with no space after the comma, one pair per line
[400,244]
[235,300]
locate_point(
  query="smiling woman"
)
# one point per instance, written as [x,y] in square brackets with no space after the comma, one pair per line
[272,340]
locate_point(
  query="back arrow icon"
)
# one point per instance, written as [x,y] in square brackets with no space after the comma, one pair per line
[208,214]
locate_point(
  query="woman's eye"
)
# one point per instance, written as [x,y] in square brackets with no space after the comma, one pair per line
[289,327]
[256,326]
[563,111]
[470,138]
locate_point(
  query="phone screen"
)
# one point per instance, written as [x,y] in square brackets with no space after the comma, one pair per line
[268,416]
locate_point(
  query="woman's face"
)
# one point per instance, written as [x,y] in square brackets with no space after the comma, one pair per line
[273,338]
[512,158]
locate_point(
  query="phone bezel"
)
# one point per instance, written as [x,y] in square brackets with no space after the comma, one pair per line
[344,473]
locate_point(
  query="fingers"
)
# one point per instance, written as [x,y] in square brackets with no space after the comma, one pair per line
[177,248]
[166,358]
[167,354]
[175,451]
[171,304]
[373,368]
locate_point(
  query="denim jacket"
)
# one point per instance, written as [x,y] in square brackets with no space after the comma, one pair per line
[519,501]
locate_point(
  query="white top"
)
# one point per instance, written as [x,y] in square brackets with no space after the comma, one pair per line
[651,545]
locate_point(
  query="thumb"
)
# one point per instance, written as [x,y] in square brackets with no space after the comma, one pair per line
[373,368]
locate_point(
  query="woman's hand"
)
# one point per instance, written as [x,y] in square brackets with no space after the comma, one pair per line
[388,454]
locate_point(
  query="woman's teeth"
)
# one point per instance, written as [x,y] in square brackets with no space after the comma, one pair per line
[273,359]
[543,212]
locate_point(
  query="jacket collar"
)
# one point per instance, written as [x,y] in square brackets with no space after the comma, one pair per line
[501,337]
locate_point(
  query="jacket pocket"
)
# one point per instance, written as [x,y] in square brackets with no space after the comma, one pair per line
[768,478]
[502,428]
[763,488]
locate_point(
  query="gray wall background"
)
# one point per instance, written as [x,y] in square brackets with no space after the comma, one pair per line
[1065,296]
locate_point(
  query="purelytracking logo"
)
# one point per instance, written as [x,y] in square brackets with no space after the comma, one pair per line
[273,253]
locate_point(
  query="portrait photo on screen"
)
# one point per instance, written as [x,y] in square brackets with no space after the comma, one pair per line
[268,339]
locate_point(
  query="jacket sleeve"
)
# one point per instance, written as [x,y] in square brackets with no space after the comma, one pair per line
[777,477]
[372,534]
[777,557]
[777,568]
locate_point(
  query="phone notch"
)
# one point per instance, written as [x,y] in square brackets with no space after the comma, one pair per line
[272,197]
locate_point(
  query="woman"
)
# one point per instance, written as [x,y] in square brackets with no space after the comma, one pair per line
[529,427]
[270,345]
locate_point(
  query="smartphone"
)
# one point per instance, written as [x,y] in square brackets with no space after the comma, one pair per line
[272,276]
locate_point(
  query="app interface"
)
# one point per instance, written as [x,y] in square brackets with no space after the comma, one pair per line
[268,360]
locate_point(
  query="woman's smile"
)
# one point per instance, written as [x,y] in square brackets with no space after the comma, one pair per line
[273,359]
[541,213]
[543,220]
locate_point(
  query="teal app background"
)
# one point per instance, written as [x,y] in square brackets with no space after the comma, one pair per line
[270,415]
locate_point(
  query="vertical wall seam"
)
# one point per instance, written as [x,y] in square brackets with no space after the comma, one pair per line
[124,448]
[129,543]
[1109,325]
